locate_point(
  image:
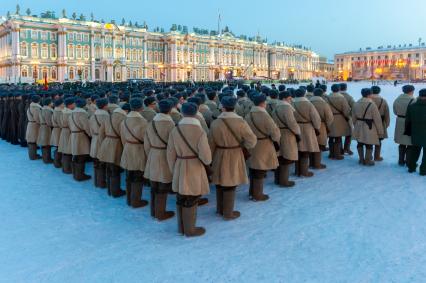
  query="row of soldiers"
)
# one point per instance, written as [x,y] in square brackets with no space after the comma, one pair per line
[179,142]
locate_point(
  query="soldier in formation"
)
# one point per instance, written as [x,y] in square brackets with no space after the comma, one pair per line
[177,140]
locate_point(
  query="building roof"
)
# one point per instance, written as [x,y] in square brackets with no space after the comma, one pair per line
[389,48]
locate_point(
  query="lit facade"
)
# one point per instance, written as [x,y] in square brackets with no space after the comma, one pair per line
[32,48]
[326,69]
[390,63]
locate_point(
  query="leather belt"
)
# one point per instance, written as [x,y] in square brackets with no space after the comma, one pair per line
[400,116]
[303,122]
[265,138]
[112,137]
[187,157]
[283,128]
[133,142]
[158,147]
[76,132]
[228,147]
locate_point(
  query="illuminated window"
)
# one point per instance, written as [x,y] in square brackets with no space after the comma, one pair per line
[44,51]
[78,52]
[97,74]
[44,35]
[97,52]
[71,51]
[34,50]
[53,36]
[24,71]
[53,51]
[71,73]
[45,73]
[34,34]
[53,73]
[24,49]
[86,52]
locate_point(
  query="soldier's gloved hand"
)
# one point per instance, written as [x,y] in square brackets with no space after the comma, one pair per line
[317,132]
[298,139]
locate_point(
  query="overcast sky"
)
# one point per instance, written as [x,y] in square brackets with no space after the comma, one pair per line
[327,26]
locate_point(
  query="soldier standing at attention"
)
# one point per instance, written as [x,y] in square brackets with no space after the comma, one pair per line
[80,139]
[204,109]
[174,113]
[271,103]
[157,169]
[33,114]
[148,112]
[243,104]
[400,106]
[199,116]
[64,139]
[228,135]
[290,136]
[415,128]
[341,126]
[56,131]
[309,91]
[368,127]
[45,132]
[310,124]
[97,130]
[383,107]
[327,118]
[188,152]
[211,103]
[23,120]
[263,156]
[111,150]
[133,158]
[351,102]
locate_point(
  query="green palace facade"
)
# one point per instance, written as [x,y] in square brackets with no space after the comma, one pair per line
[62,49]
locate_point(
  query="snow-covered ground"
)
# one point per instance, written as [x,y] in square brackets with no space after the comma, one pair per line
[347,224]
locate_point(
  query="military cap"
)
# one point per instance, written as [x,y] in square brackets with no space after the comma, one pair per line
[195,100]
[126,106]
[47,101]
[258,99]
[285,94]
[310,88]
[343,86]
[113,99]
[80,102]
[165,105]
[229,101]
[281,88]
[149,100]
[408,89]
[101,102]
[375,89]
[58,102]
[318,92]
[273,93]
[189,109]
[35,98]
[135,103]
[422,92]
[365,92]
[335,88]
[300,92]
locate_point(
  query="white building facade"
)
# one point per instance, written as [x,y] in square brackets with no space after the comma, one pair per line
[33,48]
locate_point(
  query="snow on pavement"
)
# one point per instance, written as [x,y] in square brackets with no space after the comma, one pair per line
[347,224]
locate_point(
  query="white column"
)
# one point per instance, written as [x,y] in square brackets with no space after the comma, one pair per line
[145,57]
[62,54]
[92,56]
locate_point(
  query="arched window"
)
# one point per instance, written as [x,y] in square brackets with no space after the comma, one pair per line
[118,52]
[24,71]
[53,51]
[45,73]
[24,49]
[34,50]
[86,52]
[97,74]
[53,73]
[135,75]
[108,52]
[44,51]
[97,52]
[35,73]
[71,73]
[135,55]
[86,73]
[78,52]
[128,58]
[70,51]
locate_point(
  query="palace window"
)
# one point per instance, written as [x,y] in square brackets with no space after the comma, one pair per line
[23,34]
[71,73]
[53,73]
[97,74]
[53,50]
[86,52]
[97,52]
[86,74]
[24,71]
[44,35]
[78,36]
[71,36]
[140,55]
[78,52]
[108,52]
[35,73]
[44,51]
[53,36]
[34,34]
[34,50]
[24,49]
[45,73]
[118,52]
[70,51]
[86,37]
[134,55]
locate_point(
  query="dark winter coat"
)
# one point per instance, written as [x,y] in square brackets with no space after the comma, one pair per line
[415,122]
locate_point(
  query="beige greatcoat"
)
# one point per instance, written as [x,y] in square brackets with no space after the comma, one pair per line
[362,133]
[33,127]
[348,98]
[189,175]
[284,118]
[80,132]
[64,139]
[202,121]
[156,168]
[132,137]
[229,165]
[148,114]
[207,114]
[111,147]
[327,118]
[383,107]
[244,104]
[45,131]
[176,116]
[271,104]
[308,119]
[97,130]
[213,108]
[56,123]
[341,110]
[91,109]
[263,155]
[111,107]
[400,106]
